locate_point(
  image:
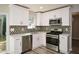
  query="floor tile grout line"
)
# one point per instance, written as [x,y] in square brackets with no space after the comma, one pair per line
[49,49]
[35,52]
[39,50]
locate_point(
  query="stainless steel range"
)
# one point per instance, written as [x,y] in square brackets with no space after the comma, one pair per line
[52,39]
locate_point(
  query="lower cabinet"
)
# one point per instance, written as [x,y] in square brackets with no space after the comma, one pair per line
[15,44]
[42,36]
[36,41]
[18,43]
[39,39]
[64,43]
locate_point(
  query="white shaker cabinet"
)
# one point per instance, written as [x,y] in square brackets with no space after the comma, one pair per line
[18,15]
[42,19]
[63,13]
[39,39]
[45,19]
[64,43]
[65,16]
[15,44]
[36,41]
[39,19]
[42,36]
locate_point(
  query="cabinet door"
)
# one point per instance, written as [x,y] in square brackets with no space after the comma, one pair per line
[45,19]
[18,15]
[35,42]
[42,19]
[17,45]
[65,16]
[11,44]
[63,44]
[42,38]
[38,19]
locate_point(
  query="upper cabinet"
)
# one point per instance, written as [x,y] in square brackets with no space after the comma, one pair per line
[45,19]
[66,16]
[32,20]
[42,19]
[18,15]
[23,16]
[62,13]
[38,19]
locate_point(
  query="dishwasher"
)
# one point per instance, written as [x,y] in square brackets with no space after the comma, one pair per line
[26,43]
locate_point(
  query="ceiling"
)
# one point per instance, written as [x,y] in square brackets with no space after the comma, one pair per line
[43,7]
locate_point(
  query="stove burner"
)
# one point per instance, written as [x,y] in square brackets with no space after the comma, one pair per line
[55,32]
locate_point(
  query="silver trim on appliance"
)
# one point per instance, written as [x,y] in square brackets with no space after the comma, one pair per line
[52,36]
[53,47]
[57,21]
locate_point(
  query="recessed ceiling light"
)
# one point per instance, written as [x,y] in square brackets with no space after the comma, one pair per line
[41,7]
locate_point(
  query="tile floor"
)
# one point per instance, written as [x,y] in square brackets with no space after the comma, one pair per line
[41,50]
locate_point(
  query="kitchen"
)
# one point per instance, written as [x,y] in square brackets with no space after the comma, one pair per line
[28,30]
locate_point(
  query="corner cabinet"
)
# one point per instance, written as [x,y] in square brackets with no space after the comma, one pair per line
[39,39]
[42,19]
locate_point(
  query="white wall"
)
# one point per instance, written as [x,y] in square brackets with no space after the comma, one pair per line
[4,8]
[75,8]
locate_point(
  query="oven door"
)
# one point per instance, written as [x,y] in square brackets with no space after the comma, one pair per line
[52,41]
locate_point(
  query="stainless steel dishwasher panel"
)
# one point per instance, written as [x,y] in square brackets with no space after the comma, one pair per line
[26,43]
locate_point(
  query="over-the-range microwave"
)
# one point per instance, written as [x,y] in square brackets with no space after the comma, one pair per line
[57,21]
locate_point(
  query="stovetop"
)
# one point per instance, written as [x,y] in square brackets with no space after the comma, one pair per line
[55,32]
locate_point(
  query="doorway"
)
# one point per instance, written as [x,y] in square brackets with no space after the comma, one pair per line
[75,33]
[2,33]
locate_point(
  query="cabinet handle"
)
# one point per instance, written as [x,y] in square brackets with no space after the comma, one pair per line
[20,43]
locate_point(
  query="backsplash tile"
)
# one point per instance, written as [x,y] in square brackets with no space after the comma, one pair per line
[18,29]
[23,29]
